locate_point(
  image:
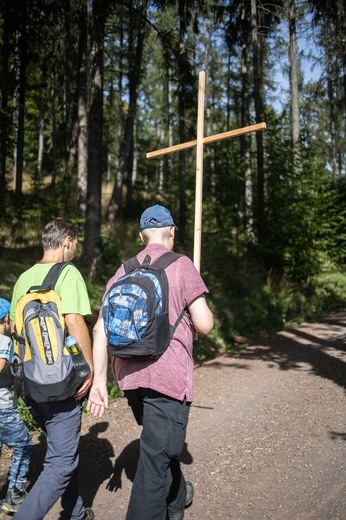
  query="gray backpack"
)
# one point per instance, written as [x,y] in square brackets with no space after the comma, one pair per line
[42,366]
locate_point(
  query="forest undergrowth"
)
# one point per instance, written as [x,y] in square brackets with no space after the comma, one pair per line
[247,301]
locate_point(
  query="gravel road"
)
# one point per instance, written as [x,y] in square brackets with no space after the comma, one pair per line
[266,437]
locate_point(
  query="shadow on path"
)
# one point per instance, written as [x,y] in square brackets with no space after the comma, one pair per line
[95,461]
[127,462]
[293,349]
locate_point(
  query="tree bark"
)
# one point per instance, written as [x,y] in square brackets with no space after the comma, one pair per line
[332,112]
[258,88]
[82,113]
[135,53]
[92,236]
[245,140]
[54,127]
[20,99]
[294,87]
[4,103]
[182,63]
[40,136]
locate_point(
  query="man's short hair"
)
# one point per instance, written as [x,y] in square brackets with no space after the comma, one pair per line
[55,232]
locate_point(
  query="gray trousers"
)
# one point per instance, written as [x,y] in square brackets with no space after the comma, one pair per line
[61,422]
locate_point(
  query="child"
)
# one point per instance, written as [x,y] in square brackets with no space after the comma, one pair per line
[13,431]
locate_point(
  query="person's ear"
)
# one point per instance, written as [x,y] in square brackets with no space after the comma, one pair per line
[172,232]
[141,237]
[67,242]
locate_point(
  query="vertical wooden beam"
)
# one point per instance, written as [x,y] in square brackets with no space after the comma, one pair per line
[199,173]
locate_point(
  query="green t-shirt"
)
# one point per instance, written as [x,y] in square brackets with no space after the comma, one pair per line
[70,287]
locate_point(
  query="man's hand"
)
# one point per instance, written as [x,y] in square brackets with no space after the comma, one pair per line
[84,389]
[98,400]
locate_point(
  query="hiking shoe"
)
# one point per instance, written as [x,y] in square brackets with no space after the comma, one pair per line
[189,494]
[13,500]
[89,514]
[179,515]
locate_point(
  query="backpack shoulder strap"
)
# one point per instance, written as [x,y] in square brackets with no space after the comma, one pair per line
[131,265]
[166,259]
[163,261]
[51,277]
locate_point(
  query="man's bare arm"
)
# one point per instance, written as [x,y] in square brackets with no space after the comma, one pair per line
[201,315]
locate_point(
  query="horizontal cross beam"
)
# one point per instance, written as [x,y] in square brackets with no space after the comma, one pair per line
[206,140]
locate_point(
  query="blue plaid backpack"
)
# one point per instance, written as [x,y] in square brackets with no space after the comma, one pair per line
[135,310]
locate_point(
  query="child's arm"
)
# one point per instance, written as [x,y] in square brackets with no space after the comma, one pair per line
[2,364]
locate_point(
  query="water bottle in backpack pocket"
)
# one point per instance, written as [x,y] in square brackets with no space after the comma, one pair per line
[81,366]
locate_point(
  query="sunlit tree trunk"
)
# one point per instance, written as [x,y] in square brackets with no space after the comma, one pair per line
[160,140]
[41,136]
[170,129]
[182,63]
[134,176]
[258,97]
[332,111]
[82,113]
[294,87]
[245,139]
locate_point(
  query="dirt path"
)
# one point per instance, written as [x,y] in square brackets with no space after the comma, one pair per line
[266,437]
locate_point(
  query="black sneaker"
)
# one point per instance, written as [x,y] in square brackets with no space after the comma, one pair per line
[13,500]
[179,515]
[89,514]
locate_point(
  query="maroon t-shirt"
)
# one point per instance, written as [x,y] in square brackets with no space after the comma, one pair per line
[172,373]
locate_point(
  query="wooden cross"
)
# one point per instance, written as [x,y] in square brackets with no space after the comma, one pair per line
[199,142]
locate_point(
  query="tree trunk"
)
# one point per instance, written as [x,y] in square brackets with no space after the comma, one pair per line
[136,45]
[54,127]
[294,87]
[170,129]
[182,63]
[258,87]
[82,112]
[20,97]
[115,201]
[67,81]
[344,81]
[332,112]
[40,137]
[4,104]
[245,140]
[92,236]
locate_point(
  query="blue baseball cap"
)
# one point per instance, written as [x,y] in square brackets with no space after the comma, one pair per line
[4,308]
[156,217]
